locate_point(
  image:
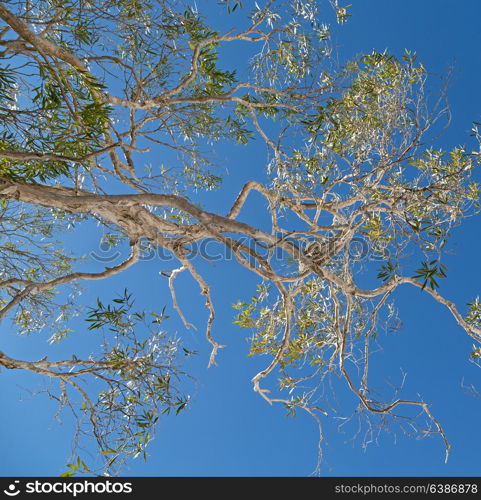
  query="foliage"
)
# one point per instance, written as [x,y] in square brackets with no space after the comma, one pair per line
[110,111]
[137,380]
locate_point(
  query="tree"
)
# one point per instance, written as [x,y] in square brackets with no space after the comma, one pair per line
[109,110]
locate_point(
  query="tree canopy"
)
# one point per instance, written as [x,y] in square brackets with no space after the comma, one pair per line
[110,113]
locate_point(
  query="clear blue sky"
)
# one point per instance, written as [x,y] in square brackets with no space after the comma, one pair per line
[229,430]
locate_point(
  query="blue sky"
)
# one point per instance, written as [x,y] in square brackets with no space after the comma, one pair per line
[229,430]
